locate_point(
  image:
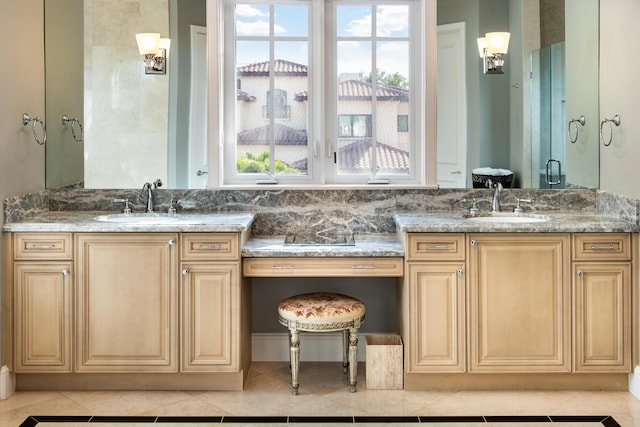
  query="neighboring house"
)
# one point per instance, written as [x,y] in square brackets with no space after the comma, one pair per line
[355,128]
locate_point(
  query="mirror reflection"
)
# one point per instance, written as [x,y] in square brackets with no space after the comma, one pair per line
[526,120]
[139,127]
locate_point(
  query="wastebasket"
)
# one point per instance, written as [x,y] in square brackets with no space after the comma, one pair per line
[479,177]
[384,369]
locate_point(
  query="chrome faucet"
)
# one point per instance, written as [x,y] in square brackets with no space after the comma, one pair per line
[495,204]
[149,187]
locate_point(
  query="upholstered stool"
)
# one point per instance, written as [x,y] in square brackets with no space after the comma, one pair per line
[323,312]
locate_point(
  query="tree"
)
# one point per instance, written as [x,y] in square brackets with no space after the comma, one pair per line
[392,80]
[259,163]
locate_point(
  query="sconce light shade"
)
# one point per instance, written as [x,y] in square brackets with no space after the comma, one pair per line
[148,43]
[155,51]
[498,42]
[492,47]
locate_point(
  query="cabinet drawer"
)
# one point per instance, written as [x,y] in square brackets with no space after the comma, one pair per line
[323,267]
[435,247]
[42,246]
[208,246]
[601,246]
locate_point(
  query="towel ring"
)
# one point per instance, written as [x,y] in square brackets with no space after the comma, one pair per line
[575,122]
[74,122]
[616,121]
[26,120]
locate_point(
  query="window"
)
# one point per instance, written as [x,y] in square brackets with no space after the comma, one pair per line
[354,126]
[279,109]
[403,123]
[322,92]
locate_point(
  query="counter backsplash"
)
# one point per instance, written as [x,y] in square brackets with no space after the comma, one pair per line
[362,211]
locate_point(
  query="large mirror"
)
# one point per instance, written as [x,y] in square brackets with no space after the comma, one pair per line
[137,127]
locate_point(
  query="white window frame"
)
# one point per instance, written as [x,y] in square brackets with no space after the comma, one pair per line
[423,154]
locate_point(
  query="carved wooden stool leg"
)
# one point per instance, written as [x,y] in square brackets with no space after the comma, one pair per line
[345,350]
[353,358]
[295,361]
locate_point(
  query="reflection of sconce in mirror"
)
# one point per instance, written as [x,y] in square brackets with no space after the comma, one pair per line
[155,51]
[492,47]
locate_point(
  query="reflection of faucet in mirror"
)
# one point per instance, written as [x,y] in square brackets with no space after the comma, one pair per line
[149,187]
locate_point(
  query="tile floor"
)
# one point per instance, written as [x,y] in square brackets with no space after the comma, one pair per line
[322,393]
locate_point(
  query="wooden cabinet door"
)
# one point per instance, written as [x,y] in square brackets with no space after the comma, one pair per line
[519,302]
[437,307]
[43,298]
[210,308]
[126,302]
[602,307]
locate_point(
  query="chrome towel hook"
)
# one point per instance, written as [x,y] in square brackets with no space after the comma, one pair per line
[575,123]
[74,122]
[616,121]
[26,119]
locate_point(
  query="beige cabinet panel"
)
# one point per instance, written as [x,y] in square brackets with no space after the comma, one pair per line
[126,302]
[602,307]
[210,308]
[437,307]
[43,299]
[519,302]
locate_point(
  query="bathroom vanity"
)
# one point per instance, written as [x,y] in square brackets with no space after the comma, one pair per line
[547,304]
[489,308]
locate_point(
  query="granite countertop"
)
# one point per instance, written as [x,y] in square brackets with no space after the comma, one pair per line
[558,223]
[365,246]
[85,221]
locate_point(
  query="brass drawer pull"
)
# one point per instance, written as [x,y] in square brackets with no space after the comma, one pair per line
[33,246]
[603,247]
[209,247]
[363,267]
[438,247]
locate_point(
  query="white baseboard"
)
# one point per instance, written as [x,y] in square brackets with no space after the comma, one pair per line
[7,383]
[634,382]
[325,347]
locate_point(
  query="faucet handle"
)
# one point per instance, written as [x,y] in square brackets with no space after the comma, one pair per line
[518,209]
[172,206]
[127,209]
[473,209]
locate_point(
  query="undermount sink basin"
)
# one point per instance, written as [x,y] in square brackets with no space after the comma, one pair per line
[139,218]
[508,218]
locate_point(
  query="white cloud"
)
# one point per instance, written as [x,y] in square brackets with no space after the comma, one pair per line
[258,28]
[389,20]
[248,11]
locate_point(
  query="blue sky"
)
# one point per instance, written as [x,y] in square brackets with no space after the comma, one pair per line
[354,22]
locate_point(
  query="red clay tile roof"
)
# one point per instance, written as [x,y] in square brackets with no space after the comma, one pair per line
[284,135]
[281,68]
[358,90]
[357,156]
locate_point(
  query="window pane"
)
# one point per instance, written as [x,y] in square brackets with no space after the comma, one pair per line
[252,19]
[353,21]
[290,114]
[291,21]
[392,21]
[393,145]
[373,90]
[272,91]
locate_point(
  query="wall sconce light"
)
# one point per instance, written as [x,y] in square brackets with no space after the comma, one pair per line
[155,51]
[492,47]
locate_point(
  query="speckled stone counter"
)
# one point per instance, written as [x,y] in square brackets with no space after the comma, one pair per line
[85,221]
[558,223]
[365,246]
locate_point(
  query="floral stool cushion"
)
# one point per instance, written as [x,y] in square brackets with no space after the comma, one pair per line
[321,311]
